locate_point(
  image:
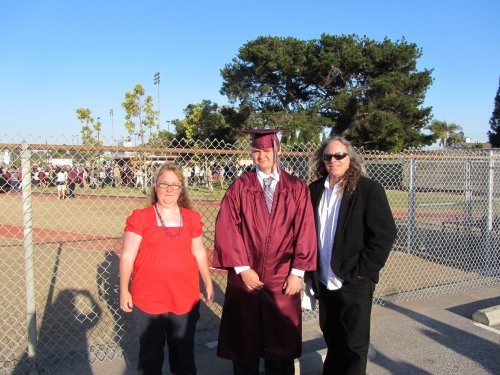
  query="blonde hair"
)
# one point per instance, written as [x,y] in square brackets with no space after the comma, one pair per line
[184,200]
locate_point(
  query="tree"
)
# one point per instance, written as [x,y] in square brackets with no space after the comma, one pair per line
[89,126]
[90,129]
[367,90]
[163,139]
[98,128]
[456,140]
[449,135]
[140,115]
[237,119]
[266,77]
[494,133]
[208,121]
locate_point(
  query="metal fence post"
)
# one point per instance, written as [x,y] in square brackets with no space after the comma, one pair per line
[28,256]
[412,208]
[468,197]
[488,260]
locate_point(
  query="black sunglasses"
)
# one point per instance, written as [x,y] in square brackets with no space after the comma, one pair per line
[336,156]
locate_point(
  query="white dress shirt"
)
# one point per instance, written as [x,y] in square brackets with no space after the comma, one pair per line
[276,177]
[328,214]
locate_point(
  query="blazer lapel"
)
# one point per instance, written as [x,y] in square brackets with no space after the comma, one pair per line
[344,213]
[317,189]
[317,192]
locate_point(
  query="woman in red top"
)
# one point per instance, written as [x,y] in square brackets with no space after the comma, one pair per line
[163,252]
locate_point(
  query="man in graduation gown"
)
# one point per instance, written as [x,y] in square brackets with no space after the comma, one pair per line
[266,239]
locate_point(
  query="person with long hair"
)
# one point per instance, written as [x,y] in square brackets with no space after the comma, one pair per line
[355,230]
[163,253]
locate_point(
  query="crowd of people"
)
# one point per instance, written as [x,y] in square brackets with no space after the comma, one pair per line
[64,178]
[116,174]
[10,179]
[112,173]
[207,175]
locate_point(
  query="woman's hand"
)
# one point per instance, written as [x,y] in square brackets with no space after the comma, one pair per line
[129,252]
[209,291]
[126,301]
[199,252]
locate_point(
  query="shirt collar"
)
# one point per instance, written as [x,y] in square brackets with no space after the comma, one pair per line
[336,187]
[261,175]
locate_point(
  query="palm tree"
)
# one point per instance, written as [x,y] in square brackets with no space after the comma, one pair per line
[448,134]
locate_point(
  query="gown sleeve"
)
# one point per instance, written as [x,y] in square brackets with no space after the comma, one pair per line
[305,244]
[229,249]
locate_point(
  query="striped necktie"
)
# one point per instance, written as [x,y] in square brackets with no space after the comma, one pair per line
[268,192]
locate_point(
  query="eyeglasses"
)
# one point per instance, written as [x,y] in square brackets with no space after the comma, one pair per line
[336,156]
[165,186]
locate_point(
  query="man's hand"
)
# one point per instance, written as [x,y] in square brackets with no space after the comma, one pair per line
[292,285]
[251,279]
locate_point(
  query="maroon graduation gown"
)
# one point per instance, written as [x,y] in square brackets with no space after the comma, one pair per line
[264,323]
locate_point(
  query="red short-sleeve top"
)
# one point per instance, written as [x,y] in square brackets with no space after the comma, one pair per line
[165,272]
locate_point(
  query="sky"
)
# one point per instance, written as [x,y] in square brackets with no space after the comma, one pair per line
[57,56]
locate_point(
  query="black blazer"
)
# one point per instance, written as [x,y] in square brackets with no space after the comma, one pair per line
[365,230]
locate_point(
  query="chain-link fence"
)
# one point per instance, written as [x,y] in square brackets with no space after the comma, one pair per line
[59,257]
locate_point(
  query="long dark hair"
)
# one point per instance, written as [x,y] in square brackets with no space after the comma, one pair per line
[184,200]
[351,176]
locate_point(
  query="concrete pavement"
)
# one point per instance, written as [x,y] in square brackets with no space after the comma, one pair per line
[427,336]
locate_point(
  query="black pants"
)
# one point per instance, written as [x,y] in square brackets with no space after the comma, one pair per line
[177,330]
[71,189]
[286,367]
[345,322]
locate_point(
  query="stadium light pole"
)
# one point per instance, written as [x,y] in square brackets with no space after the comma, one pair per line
[168,125]
[112,126]
[157,82]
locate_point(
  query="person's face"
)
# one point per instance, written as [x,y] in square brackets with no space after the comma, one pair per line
[264,159]
[168,188]
[336,168]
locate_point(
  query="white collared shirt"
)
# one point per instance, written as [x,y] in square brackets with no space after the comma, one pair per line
[261,175]
[276,177]
[328,215]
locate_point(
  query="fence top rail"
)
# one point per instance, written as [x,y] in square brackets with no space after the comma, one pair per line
[365,154]
[139,149]
[430,157]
